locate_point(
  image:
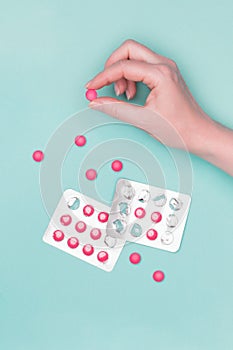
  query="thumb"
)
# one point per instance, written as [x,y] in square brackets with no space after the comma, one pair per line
[124,111]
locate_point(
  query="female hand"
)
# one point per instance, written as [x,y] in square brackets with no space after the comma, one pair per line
[170,113]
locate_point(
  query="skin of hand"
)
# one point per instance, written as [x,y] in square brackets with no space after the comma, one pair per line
[170,113]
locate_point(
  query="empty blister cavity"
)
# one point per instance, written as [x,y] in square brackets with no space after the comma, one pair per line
[110,241]
[160,200]
[172,220]
[126,190]
[144,196]
[73,203]
[167,238]
[119,226]
[136,230]
[124,209]
[175,204]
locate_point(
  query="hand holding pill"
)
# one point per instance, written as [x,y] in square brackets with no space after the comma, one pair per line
[169,100]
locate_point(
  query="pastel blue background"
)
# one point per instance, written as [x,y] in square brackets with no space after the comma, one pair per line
[49,300]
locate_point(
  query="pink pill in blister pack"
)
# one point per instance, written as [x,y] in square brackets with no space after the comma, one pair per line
[78,227]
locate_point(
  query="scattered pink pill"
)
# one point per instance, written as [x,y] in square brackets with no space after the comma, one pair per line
[140,213]
[80,226]
[91,94]
[88,249]
[158,276]
[152,234]
[156,216]
[38,156]
[58,235]
[135,258]
[103,216]
[95,233]
[117,165]
[88,210]
[102,256]
[65,220]
[80,140]
[91,174]
[73,242]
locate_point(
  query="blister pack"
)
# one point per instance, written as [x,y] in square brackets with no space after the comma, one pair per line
[148,215]
[78,227]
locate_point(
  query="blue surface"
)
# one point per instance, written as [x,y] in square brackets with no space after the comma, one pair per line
[48,299]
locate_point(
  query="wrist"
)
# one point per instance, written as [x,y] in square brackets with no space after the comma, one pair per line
[214,143]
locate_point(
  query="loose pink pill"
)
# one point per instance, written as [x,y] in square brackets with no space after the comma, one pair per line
[91,94]
[135,258]
[152,234]
[80,140]
[158,276]
[140,213]
[91,174]
[73,242]
[103,216]
[58,235]
[117,165]
[88,249]
[88,210]
[65,220]
[38,156]
[80,226]
[102,256]
[156,216]
[95,233]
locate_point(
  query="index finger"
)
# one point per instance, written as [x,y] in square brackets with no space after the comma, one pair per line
[128,69]
[132,49]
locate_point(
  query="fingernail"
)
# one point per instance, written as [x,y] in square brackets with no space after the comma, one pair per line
[95,103]
[87,84]
[117,90]
[127,95]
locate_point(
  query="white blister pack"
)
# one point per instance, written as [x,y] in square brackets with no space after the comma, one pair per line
[148,215]
[78,227]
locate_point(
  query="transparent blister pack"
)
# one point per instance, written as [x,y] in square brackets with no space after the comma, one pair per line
[148,215]
[78,227]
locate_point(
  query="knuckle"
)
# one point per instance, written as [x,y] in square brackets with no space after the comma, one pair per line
[168,72]
[165,69]
[173,64]
[129,42]
[122,64]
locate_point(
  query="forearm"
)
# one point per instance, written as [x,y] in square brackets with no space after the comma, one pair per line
[216,145]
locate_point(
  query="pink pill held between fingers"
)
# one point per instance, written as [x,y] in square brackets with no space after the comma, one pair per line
[91,174]
[80,140]
[38,156]
[91,94]
[102,256]
[158,276]
[117,165]
[135,258]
